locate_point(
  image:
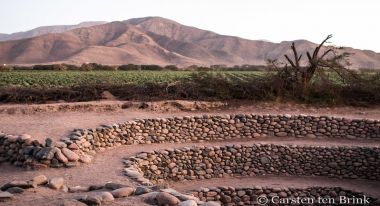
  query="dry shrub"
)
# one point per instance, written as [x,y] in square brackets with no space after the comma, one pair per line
[6,68]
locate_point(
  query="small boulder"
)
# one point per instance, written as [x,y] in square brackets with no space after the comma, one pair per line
[164,198]
[15,190]
[39,180]
[123,192]
[56,183]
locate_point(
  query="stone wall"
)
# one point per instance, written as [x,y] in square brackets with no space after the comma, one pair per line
[185,129]
[231,196]
[259,159]
[23,150]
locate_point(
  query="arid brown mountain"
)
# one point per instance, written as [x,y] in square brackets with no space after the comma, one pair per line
[155,40]
[47,30]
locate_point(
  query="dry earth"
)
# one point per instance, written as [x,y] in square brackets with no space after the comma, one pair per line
[57,120]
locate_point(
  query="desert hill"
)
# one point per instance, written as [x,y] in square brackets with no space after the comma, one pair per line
[47,30]
[154,40]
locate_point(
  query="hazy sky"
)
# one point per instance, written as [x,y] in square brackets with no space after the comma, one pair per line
[354,23]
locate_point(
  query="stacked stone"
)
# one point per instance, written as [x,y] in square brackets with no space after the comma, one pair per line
[12,147]
[231,196]
[24,151]
[259,159]
[21,150]
[206,128]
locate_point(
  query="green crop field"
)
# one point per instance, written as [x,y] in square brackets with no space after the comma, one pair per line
[54,79]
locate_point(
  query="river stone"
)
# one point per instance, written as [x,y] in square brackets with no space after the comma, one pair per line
[123,192]
[20,184]
[188,203]
[60,156]
[39,180]
[211,203]
[56,183]
[132,173]
[264,160]
[85,158]
[5,196]
[49,142]
[96,187]
[93,200]
[282,194]
[114,186]
[105,196]
[164,198]
[79,189]
[142,190]
[71,156]
[46,153]
[281,134]
[73,146]
[60,144]
[25,136]
[72,202]
[149,198]
[179,195]
[15,190]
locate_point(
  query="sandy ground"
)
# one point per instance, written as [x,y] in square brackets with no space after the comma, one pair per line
[58,120]
[55,123]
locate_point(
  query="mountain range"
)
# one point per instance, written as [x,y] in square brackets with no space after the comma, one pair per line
[149,40]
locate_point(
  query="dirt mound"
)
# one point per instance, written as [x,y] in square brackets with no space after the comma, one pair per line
[177,105]
[111,106]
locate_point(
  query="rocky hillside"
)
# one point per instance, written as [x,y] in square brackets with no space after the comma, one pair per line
[47,30]
[154,40]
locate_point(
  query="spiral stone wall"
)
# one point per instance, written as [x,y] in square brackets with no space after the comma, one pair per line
[230,196]
[23,150]
[259,159]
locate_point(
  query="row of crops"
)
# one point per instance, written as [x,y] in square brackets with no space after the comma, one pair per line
[53,79]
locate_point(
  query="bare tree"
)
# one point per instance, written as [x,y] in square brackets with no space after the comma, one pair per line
[323,58]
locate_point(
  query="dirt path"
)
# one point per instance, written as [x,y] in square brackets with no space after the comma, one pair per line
[56,123]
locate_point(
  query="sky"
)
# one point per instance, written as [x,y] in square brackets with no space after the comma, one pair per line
[354,23]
